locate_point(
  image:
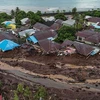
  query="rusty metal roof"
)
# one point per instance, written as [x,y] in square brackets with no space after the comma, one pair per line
[94,19]
[5,35]
[55,26]
[85,33]
[49,46]
[67,43]
[40,35]
[83,49]
[40,26]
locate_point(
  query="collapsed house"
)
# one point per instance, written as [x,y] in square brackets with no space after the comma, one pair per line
[71,47]
[49,46]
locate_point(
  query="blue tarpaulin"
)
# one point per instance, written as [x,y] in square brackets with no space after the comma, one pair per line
[33,39]
[7,23]
[6,45]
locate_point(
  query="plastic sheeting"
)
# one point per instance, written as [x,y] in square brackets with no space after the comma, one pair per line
[6,45]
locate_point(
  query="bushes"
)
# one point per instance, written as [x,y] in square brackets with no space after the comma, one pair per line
[60,16]
[66,32]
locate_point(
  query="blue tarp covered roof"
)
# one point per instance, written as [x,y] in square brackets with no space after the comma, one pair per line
[7,23]
[6,45]
[33,39]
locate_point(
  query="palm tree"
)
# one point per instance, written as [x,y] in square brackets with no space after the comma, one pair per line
[74,11]
[12,13]
[64,11]
[17,9]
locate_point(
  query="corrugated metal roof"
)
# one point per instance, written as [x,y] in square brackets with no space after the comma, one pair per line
[40,35]
[49,46]
[6,35]
[94,38]
[85,33]
[94,19]
[83,48]
[55,26]
[59,21]
[67,43]
[40,26]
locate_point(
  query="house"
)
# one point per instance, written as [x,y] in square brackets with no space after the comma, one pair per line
[59,21]
[51,18]
[89,37]
[87,17]
[55,26]
[69,22]
[22,28]
[8,22]
[83,49]
[81,35]
[67,43]
[40,35]
[7,35]
[27,32]
[49,46]
[93,39]
[6,45]
[25,21]
[32,39]
[92,21]
[39,26]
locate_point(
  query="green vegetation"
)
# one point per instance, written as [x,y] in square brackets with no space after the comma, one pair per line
[4,17]
[74,11]
[41,94]
[95,13]
[79,24]
[60,16]
[22,92]
[66,32]
[20,14]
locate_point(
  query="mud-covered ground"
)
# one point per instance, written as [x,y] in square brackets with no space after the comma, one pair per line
[73,69]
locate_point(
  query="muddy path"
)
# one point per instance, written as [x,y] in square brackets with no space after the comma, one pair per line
[52,81]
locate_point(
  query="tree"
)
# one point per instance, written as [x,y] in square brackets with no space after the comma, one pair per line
[12,13]
[20,15]
[35,17]
[39,13]
[60,16]
[64,11]
[79,21]
[66,32]
[74,11]
[17,10]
